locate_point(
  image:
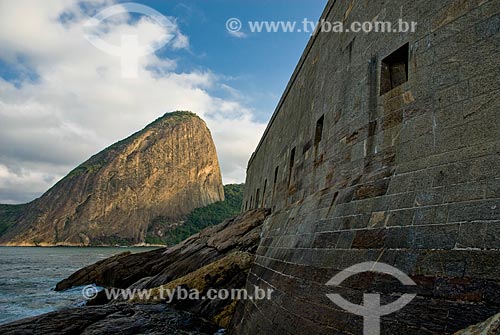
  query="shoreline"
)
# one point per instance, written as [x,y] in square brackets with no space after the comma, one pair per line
[83,246]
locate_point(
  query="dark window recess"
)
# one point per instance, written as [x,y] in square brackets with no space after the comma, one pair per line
[264,194]
[319,130]
[246,205]
[257,196]
[394,70]
[275,182]
[290,170]
[251,202]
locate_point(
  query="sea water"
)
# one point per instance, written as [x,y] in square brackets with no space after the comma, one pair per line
[28,277]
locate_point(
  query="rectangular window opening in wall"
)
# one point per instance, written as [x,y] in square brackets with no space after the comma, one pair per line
[319,130]
[394,71]
[257,196]
[264,194]
[292,161]
[275,182]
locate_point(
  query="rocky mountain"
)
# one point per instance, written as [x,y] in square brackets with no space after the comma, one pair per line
[162,172]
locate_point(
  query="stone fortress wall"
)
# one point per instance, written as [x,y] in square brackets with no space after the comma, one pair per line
[384,147]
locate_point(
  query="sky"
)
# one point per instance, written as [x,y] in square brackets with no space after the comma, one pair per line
[63,99]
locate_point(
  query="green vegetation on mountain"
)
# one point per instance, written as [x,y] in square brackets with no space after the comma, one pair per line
[201,218]
[9,215]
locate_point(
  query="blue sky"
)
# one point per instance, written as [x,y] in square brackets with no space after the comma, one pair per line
[62,99]
[262,63]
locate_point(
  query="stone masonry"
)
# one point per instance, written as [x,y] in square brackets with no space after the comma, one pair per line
[384,147]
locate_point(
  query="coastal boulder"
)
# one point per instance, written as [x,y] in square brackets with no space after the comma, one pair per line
[123,319]
[488,327]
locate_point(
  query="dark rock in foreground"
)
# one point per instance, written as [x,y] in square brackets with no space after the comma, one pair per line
[488,327]
[229,272]
[123,319]
[118,271]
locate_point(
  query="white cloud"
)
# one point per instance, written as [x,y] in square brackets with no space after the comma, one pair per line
[79,103]
[237,34]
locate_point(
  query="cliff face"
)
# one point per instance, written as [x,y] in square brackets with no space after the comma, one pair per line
[163,171]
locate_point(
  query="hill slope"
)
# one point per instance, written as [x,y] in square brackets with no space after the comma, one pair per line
[161,231]
[165,170]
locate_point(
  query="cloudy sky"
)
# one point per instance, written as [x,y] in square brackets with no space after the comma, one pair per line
[62,99]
